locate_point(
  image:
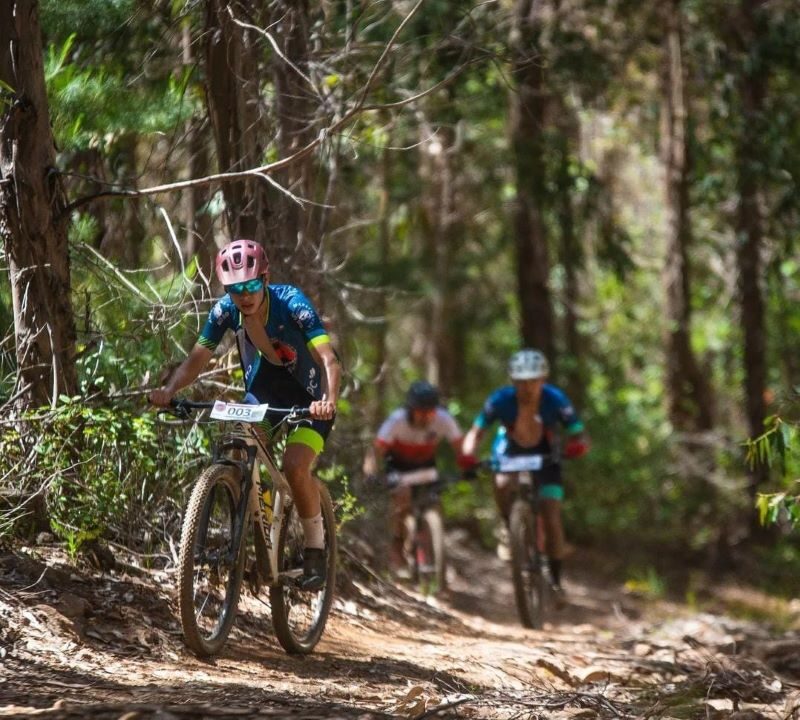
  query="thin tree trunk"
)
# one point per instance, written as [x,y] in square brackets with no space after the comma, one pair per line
[200,221]
[294,228]
[126,233]
[31,223]
[199,238]
[384,255]
[443,231]
[752,88]
[690,402]
[529,102]
[234,108]
[571,257]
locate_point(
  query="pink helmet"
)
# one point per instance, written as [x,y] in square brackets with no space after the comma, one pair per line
[241,260]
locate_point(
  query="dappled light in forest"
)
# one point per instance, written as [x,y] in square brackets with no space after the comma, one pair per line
[506,421]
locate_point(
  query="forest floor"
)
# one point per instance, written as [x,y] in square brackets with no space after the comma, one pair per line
[79,643]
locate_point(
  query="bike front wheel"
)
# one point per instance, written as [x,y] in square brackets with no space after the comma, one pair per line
[430,556]
[210,565]
[299,616]
[526,569]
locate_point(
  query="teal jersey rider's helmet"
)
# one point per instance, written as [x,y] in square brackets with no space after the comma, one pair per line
[528,364]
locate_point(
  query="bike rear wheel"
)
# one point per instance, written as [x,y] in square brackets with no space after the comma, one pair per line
[526,569]
[429,555]
[210,568]
[299,616]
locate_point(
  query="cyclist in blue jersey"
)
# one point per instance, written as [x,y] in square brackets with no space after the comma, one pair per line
[530,412]
[287,359]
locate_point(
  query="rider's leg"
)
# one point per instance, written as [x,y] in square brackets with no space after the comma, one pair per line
[401,506]
[504,488]
[554,536]
[297,461]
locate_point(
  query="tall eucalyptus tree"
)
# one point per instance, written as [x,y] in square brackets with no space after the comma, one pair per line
[32,221]
[689,394]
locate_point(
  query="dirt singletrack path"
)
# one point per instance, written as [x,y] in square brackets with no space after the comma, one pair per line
[81,644]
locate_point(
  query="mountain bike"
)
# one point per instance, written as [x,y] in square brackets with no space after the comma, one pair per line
[529,571]
[423,548]
[243,493]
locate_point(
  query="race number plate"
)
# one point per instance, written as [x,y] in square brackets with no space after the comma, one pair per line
[416,477]
[521,463]
[238,411]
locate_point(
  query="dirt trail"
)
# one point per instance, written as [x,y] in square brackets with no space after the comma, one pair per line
[75,643]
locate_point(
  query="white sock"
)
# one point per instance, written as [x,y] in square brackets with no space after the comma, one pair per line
[314,531]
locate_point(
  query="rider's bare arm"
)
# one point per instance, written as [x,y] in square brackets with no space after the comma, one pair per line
[373,459]
[472,440]
[185,374]
[325,356]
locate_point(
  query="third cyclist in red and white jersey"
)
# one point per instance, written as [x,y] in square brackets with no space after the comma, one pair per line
[408,440]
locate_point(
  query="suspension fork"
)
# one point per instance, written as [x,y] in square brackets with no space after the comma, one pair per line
[246,483]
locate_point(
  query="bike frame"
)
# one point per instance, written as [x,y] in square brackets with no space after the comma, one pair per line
[243,440]
[249,509]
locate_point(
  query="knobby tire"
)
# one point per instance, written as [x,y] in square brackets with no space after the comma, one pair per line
[526,572]
[208,559]
[431,533]
[290,605]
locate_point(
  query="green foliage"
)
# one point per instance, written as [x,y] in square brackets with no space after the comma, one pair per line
[346,505]
[778,446]
[94,106]
[98,467]
[647,583]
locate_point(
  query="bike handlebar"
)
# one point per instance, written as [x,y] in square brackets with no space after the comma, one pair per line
[182,409]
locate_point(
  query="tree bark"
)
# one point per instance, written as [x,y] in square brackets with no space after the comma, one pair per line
[752,89]
[443,228]
[690,401]
[529,102]
[199,238]
[234,107]
[293,226]
[31,223]
[571,255]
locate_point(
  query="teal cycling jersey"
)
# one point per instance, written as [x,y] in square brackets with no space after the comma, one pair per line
[293,326]
[554,408]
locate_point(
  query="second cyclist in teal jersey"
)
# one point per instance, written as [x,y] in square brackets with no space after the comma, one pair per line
[287,359]
[531,413]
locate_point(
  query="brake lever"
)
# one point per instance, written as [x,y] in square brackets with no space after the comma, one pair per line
[176,409]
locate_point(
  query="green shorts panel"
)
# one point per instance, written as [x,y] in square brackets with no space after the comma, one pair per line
[306,436]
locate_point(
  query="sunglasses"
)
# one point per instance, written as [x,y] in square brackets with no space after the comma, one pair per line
[251,286]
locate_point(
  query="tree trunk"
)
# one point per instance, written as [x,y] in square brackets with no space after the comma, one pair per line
[528,113]
[571,257]
[293,225]
[199,238]
[31,223]
[125,237]
[199,220]
[234,108]
[752,89]
[384,254]
[444,230]
[689,393]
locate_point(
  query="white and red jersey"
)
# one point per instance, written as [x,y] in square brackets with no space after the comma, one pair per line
[408,446]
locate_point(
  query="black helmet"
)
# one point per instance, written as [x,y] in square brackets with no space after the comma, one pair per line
[422,396]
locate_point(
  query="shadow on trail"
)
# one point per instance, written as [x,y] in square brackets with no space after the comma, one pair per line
[62,693]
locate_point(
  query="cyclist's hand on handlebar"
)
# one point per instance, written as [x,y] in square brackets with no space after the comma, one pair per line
[577,446]
[469,465]
[160,397]
[322,409]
